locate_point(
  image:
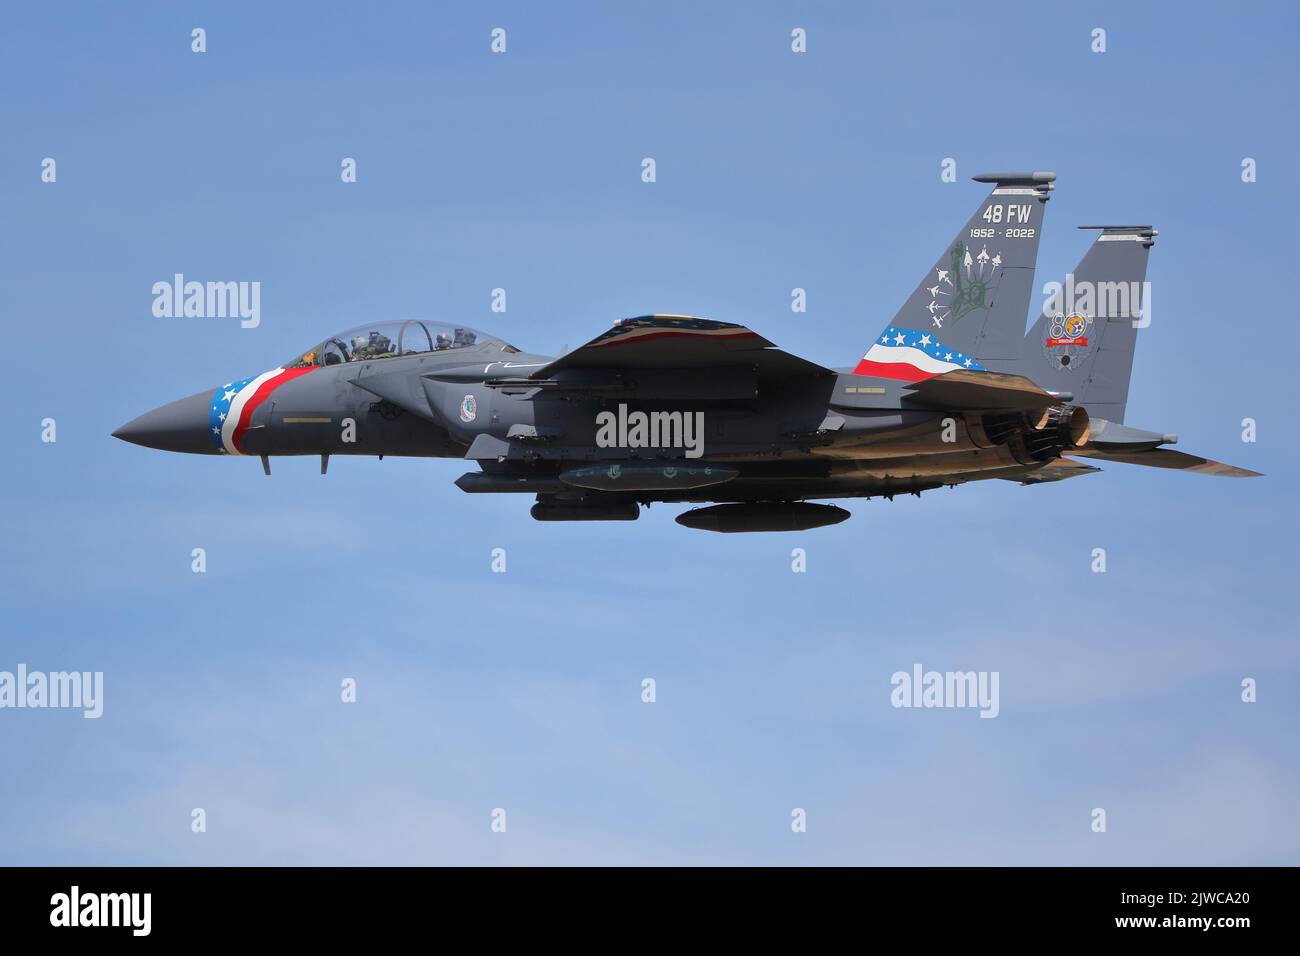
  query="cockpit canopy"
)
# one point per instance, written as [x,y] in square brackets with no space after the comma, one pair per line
[380,340]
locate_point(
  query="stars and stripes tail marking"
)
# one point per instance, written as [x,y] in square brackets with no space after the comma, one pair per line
[911,355]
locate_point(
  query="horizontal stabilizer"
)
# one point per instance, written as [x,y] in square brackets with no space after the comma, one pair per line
[968,390]
[1168,458]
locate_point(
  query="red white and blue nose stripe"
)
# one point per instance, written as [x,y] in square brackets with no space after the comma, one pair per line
[233,405]
[912,355]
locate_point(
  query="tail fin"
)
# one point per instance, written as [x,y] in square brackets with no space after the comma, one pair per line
[971,305]
[1084,340]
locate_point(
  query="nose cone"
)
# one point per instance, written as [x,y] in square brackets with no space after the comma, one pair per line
[179,426]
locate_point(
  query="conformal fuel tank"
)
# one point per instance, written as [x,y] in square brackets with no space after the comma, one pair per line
[647,476]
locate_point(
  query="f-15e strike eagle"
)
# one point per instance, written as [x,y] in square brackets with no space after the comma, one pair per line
[681,409]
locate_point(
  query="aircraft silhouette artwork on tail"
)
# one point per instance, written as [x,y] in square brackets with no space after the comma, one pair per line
[671,408]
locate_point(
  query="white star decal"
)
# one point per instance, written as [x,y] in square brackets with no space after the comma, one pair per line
[925,339]
[899,339]
[228,396]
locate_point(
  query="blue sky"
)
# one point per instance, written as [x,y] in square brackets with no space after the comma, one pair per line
[522,690]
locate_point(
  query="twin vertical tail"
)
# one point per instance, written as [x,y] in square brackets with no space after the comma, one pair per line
[1081,347]
[1084,340]
[970,307]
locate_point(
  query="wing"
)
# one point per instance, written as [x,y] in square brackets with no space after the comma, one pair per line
[681,342]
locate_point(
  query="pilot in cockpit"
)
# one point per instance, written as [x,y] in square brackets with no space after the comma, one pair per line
[376,346]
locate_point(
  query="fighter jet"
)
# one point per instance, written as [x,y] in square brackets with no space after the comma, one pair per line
[678,409]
